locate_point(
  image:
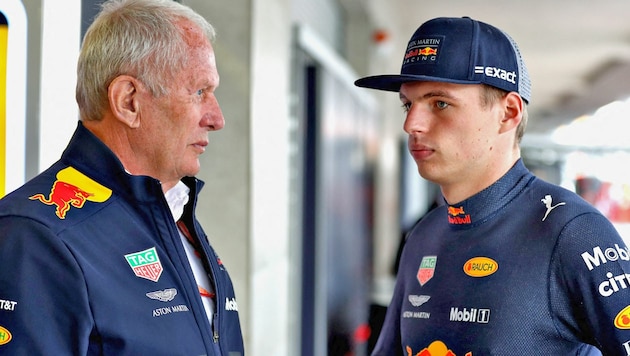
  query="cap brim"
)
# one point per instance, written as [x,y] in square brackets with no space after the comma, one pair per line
[392,82]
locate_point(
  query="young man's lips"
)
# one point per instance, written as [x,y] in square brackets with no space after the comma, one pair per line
[420,151]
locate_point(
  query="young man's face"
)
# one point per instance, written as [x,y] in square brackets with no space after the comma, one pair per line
[453,139]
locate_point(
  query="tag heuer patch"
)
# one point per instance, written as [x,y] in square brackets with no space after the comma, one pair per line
[427,269]
[145,264]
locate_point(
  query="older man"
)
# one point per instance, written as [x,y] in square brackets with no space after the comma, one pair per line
[102,254]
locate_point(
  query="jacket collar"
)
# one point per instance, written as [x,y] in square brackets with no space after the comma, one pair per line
[88,154]
[484,205]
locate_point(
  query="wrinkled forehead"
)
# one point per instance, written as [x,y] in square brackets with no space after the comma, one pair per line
[192,34]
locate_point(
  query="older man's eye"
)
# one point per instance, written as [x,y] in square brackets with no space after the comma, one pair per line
[200,91]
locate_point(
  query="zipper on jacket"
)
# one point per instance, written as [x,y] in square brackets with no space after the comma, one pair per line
[215,329]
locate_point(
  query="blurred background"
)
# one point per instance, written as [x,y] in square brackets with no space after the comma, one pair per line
[309,188]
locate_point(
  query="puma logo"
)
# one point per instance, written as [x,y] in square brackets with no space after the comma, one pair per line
[547,200]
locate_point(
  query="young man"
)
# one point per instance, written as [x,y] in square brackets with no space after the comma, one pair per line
[92,261]
[510,265]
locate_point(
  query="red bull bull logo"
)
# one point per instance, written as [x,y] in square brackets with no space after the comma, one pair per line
[437,348]
[416,52]
[72,189]
[453,211]
[457,216]
[428,51]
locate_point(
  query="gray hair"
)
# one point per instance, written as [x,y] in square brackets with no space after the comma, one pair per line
[140,38]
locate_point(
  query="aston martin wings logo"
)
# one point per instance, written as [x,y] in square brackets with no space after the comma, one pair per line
[418,300]
[165,295]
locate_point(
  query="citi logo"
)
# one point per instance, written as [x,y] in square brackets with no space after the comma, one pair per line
[470,315]
[231,304]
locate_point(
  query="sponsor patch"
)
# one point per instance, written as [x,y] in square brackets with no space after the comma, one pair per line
[230,304]
[418,300]
[614,284]
[170,310]
[548,201]
[165,295]
[499,73]
[423,50]
[480,267]
[622,320]
[416,315]
[5,335]
[457,216]
[145,264]
[470,315]
[601,257]
[72,189]
[7,305]
[426,269]
[436,348]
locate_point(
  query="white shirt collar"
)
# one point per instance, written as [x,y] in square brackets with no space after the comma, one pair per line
[177,197]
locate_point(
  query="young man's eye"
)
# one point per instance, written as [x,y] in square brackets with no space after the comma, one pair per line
[406,107]
[441,104]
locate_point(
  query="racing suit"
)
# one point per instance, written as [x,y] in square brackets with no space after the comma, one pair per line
[91,263]
[523,267]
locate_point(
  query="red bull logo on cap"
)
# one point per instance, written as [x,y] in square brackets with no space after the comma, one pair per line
[428,51]
[437,348]
[423,50]
[72,189]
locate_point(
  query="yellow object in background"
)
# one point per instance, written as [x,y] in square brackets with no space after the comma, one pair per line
[4,35]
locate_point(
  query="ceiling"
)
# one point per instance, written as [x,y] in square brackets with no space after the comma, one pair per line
[577,51]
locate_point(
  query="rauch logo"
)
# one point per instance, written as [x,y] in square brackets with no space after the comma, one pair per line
[480,266]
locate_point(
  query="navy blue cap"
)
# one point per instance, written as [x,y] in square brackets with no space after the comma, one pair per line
[461,51]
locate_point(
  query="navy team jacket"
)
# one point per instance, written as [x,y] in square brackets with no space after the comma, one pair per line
[521,268]
[91,263]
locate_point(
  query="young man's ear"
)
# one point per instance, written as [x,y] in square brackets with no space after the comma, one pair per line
[123,100]
[513,111]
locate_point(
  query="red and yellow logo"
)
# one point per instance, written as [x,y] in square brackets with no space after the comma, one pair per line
[428,51]
[5,336]
[453,211]
[437,348]
[622,320]
[480,266]
[455,218]
[72,189]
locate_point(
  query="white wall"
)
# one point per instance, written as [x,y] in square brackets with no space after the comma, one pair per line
[273,324]
[58,114]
